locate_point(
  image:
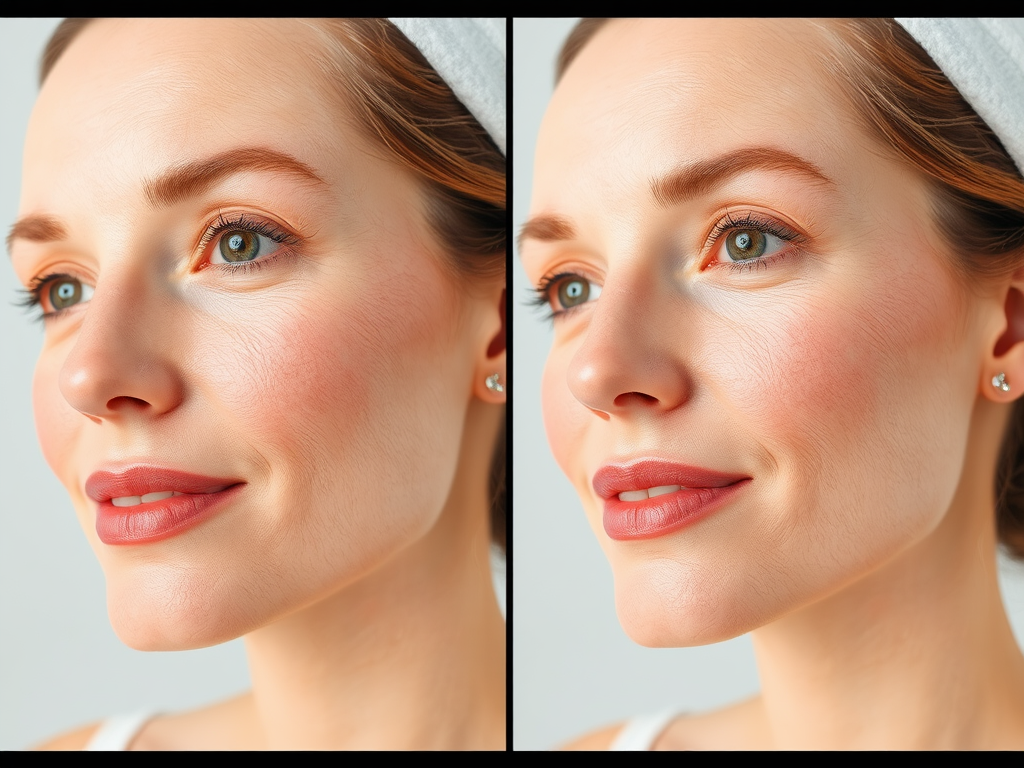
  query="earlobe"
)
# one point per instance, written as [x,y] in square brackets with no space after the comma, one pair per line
[491,381]
[1003,381]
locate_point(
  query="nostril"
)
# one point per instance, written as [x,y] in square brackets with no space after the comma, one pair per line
[124,401]
[638,398]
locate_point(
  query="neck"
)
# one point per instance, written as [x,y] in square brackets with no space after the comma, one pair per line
[917,655]
[409,657]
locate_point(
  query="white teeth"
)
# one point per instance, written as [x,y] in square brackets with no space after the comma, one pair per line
[659,491]
[633,495]
[650,493]
[133,501]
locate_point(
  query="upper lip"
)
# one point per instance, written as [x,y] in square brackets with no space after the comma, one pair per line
[612,479]
[140,479]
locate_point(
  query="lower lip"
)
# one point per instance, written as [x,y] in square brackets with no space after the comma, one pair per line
[629,520]
[159,520]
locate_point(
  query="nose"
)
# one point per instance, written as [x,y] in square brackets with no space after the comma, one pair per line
[120,363]
[632,358]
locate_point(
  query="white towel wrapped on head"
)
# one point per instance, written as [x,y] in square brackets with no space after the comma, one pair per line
[470,55]
[984,59]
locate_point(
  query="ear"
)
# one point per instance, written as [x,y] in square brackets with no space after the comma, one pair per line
[1003,376]
[490,382]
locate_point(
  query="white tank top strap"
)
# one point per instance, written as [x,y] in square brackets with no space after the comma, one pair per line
[640,732]
[117,732]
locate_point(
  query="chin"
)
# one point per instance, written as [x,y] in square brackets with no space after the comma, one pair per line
[666,604]
[173,611]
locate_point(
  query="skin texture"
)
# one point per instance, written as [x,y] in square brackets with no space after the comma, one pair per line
[342,381]
[863,550]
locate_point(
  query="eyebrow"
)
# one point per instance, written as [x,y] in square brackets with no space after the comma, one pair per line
[701,177]
[546,228]
[689,182]
[180,183]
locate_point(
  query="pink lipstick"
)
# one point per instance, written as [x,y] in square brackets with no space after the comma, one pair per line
[651,497]
[142,503]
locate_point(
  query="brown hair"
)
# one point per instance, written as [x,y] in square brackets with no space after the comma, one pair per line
[978,192]
[402,103]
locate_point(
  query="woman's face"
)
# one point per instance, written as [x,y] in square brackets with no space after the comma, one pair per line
[250,294]
[750,284]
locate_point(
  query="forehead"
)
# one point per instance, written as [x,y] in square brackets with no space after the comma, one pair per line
[644,96]
[149,93]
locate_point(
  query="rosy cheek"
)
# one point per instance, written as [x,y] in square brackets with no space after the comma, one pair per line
[821,373]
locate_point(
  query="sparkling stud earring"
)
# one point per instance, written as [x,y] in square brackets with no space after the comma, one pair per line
[495,386]
[999,382]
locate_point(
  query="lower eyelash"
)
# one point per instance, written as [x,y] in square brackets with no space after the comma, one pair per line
[747,266]
[245,267]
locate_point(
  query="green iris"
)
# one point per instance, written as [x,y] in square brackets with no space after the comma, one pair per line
[65,293]
[573,292]
[239,245]
[745,244]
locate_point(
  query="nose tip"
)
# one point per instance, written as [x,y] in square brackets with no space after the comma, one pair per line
[112,371]
[99,387]
[617,371]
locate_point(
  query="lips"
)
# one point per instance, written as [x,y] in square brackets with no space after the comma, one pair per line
[661,497]
[613,479]
[141,479]
[194,498]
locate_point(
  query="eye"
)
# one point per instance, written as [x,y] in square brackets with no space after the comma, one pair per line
[565,292]
[748,244]
[61,292]
[751,240]
[239,245]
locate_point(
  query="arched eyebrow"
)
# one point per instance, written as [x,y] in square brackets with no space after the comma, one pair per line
[701,177]
[192,179]
[180,183]
[688,182]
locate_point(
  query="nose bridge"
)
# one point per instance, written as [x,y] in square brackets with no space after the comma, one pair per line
[119,359]
[633,354]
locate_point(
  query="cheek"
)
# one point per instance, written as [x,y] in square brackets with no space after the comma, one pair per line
[344,398]
[57,422]
[290,375]
[565,420]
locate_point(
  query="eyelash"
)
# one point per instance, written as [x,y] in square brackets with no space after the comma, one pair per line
[541,295]
[760,224]
[31,297]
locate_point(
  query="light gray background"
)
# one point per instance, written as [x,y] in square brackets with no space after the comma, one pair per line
[573,667]
[61,665]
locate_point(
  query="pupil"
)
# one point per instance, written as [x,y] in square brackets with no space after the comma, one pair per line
[66,291]
[235,242]
[743,240]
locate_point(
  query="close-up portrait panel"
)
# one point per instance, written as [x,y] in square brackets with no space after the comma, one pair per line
[254,384]
[769,352]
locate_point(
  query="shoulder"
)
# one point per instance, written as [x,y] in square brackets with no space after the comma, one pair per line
[595,740]
[72,740]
